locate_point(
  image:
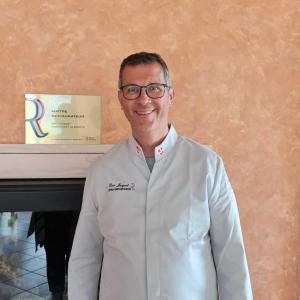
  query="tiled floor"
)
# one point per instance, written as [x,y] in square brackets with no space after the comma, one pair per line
[24,273]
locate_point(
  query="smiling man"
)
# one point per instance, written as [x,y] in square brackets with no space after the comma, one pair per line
[159,219]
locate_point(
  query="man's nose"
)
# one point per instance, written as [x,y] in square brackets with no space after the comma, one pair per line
[143,98]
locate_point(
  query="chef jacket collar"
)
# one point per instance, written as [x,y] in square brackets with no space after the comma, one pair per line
[161,150]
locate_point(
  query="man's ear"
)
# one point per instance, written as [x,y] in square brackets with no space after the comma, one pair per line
[120,99]
[171,95]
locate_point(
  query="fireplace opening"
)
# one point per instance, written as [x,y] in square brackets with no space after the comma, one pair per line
[23,270]
[46,194]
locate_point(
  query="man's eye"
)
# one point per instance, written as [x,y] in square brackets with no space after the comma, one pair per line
[132,89]
[154,88]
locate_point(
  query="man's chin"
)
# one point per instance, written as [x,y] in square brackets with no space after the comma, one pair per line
[144,126]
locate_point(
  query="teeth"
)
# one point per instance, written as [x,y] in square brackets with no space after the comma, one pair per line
[144,112]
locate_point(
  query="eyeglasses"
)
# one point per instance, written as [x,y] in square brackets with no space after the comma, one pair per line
[153,90]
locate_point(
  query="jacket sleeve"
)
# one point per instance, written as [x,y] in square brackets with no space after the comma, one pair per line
[86,255]
[227,241]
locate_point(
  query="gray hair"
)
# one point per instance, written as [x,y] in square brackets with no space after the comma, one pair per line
[144,58]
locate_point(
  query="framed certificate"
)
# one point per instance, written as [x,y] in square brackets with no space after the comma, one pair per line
[62,119]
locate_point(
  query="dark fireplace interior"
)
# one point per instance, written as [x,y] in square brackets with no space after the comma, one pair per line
[41,194]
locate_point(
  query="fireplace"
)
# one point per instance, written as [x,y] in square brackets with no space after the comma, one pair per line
[44,177]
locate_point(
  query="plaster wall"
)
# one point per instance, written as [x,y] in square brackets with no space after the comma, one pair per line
[235,67]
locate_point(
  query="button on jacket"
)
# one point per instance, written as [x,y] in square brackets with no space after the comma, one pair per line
[172,234]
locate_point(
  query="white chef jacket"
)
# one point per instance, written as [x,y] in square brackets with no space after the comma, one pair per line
[172,234]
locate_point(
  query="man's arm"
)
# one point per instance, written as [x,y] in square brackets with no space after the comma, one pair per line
[86,256]
[227,241]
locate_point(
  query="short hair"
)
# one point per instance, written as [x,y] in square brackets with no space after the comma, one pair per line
[144,58]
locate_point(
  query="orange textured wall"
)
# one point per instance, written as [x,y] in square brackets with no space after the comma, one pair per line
[236,73]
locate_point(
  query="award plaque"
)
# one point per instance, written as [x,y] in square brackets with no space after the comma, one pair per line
[62,119]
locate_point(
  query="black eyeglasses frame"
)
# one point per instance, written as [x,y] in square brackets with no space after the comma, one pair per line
[144,87]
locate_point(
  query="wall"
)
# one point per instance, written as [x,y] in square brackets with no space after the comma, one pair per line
[235,67]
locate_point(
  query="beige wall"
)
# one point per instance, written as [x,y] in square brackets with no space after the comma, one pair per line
[236,72]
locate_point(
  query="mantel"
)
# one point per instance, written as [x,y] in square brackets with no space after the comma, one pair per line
[47,161]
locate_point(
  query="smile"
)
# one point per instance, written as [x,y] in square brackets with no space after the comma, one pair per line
[143,113]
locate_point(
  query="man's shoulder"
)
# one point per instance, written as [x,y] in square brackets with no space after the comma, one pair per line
[198,148]
[200,155]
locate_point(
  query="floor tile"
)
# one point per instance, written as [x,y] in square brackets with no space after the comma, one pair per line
[22,235]
[16,272]
[7,291]
[12,245]
[19,257]
[33,264]
[27,281]
[26,296]
[41,290]
[32,252]
[14,261]
[42,271]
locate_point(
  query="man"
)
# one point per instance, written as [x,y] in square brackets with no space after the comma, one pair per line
[159,218]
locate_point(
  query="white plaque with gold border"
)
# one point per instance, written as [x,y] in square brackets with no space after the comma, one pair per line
[62,119]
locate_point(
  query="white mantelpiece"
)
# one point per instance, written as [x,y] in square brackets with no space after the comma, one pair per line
[47,161]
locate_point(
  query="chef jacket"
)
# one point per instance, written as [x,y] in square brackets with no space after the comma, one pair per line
[170,234]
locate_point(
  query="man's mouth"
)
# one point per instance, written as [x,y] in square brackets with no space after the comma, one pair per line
[144,113]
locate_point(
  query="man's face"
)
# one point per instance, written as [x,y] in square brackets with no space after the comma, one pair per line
[145,114]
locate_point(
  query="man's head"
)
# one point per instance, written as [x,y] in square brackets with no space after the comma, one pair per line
[145,93]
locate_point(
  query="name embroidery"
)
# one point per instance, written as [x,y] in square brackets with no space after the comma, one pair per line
[121,187]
